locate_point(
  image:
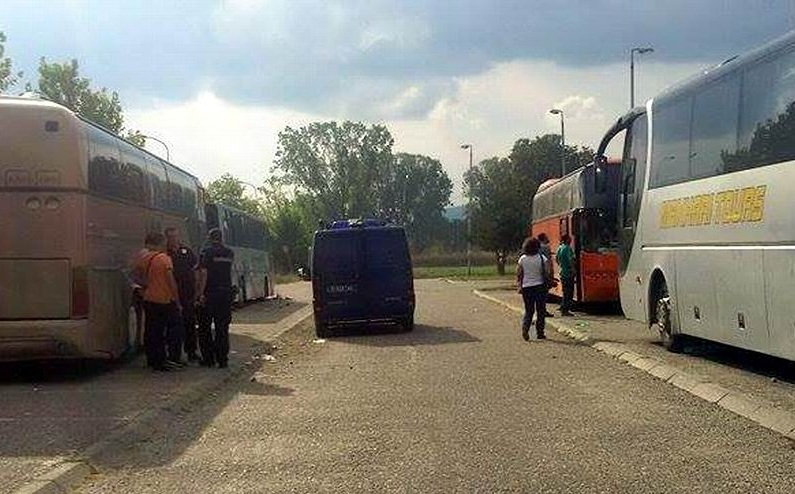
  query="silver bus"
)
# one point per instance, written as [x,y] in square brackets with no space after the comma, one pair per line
[75,204]
[707,233]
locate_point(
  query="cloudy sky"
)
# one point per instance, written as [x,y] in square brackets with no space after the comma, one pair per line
[217,80]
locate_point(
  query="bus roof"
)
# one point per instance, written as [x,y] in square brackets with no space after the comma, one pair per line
[41,103]
[727,66]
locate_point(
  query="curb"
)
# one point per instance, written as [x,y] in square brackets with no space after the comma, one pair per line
[764,414]
[68,474]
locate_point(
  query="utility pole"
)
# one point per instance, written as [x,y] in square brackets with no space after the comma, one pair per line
[556,111]
[639,51]
[469,213]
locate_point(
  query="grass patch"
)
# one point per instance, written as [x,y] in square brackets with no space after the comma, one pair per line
[460,272]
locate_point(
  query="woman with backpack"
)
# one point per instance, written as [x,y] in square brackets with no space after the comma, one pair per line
[533,275]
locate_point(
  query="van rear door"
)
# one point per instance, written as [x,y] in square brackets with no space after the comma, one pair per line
[387,272]
[336,271]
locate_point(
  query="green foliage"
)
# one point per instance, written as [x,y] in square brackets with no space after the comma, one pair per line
[498,218]
[8,78]
[503,188]
[62,83]
[348,170]
[228,190]
[136,137]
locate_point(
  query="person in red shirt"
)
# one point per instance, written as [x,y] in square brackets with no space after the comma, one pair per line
[160,297]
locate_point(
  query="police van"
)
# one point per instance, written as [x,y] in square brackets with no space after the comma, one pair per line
[361,274]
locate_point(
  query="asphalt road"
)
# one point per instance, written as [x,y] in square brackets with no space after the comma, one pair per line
[460,405]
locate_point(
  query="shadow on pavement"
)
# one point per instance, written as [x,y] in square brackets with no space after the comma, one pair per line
[392,335]
[82,403]
[176,430]
[266,311]
[57,371]
[758,363]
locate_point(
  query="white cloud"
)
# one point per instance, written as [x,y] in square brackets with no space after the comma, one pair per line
[209,135]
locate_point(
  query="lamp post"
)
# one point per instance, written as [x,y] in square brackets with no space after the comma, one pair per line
[168,153]
[469,214]
[556,111]
[639,51]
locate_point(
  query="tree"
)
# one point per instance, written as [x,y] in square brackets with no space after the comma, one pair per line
[498,220]
[228,190]
[347,170]
[417,189]
[62,84]
[340,166]
[8,78]
[503,188]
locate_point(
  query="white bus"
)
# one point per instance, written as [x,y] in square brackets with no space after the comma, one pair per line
[246,236]
[706,222]
[75,204]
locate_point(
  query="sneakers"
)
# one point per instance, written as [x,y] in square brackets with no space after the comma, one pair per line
[525,334]
[541,336]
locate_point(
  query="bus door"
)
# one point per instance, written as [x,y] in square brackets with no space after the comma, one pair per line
[633,174]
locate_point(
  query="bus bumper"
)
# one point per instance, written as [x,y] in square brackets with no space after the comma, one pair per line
[42,339]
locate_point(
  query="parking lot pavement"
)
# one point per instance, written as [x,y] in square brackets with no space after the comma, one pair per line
[757,376]
[52,411]
[461,404]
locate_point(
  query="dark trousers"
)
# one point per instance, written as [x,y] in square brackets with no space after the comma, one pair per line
[535,300]
[189,335]
[567,285]
[160,319]
[214,342]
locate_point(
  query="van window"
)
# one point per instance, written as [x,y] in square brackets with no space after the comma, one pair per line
[386,248]
[336,252]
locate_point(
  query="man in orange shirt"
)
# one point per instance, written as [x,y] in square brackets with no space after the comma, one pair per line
[161,299]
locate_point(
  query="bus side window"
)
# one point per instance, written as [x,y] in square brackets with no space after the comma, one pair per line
[564,226]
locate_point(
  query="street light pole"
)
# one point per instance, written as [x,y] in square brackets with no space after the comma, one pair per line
[469,213]
[556,111]
[639,51]
[168,153]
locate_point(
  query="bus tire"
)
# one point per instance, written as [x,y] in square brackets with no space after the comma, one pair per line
[408,324]
[134,330]
[670,339]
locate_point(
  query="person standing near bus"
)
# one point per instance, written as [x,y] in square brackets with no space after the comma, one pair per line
[161,299]
[532,278]
[184,261]
[564,257]
[215,299]
[546,252]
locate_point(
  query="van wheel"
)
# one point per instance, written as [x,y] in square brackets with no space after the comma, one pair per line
[408,324]
[670,340]
[321,329]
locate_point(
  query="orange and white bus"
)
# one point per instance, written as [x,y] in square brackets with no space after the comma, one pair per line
[75,204]
[583,205]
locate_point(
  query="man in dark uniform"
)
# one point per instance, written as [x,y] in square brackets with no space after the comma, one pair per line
[184,261]
[215,297]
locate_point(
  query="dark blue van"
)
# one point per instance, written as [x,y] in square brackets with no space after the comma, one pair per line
[361,274]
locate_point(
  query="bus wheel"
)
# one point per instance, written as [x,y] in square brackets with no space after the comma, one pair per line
[662,311]
[133,330]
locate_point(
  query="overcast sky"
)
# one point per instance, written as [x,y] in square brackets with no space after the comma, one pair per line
[217,80]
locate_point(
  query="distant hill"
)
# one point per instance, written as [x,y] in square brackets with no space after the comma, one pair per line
[452,213]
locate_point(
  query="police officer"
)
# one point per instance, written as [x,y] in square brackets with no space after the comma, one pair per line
[215,299]
[184,261]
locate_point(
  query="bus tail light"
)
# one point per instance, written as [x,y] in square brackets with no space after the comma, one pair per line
[80,295]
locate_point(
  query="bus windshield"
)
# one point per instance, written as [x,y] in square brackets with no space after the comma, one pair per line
[597,231]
